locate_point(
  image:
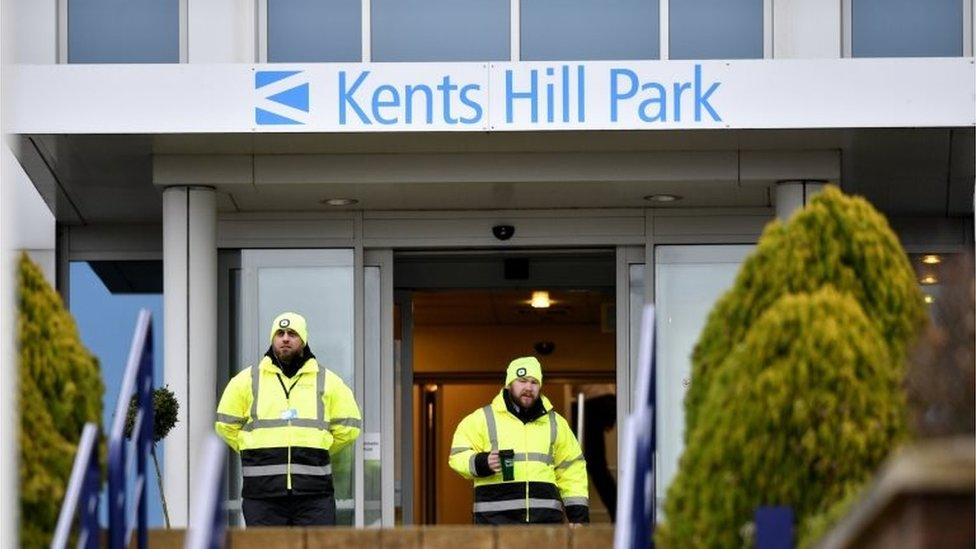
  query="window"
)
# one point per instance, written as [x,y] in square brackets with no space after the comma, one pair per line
[715,29]
[123,31]
[587,30]
[105,298]
[906,28]
[441,30]
[309,31]
[688,281]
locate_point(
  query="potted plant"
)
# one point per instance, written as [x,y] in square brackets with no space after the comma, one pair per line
[165,410]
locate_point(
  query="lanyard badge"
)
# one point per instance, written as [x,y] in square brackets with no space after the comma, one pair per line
[290,413]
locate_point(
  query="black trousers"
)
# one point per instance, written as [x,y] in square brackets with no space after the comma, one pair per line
[313,510]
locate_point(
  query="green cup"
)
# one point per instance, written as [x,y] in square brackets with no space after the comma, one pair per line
[507,458]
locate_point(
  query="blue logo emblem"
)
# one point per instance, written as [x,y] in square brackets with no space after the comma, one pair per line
[283,98]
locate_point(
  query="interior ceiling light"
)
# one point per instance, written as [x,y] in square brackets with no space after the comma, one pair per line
[931,259]
[540,300]
[662,198]
[929,299]
[339,201]
[929,279]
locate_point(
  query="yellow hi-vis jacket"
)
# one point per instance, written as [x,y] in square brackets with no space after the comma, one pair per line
[550,472]
[285,428]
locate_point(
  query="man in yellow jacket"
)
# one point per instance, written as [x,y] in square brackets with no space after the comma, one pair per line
[287,416]
[547,477]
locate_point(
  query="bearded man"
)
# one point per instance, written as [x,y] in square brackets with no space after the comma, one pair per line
[526,465]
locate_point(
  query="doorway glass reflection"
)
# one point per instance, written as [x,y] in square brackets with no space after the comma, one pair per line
[318,284]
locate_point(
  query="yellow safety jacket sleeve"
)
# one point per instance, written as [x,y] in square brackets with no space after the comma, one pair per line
[570,466]
[470,438]
[345,420]
[233,411]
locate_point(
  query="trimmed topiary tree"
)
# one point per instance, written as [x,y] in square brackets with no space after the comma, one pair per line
[796,389]
[836,239]
[60,388]
[812,404]
[165,411]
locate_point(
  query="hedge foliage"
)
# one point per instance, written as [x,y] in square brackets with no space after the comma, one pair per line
[837,240]
[796,393]
[60,388]
[814,397]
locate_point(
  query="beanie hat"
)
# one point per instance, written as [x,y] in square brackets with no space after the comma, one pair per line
[526,366]
[290,321]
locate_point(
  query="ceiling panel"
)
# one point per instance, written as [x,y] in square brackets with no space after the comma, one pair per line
[509,195]
[108,178]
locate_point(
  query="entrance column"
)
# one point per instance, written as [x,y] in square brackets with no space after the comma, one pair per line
[189,335]
[793,194]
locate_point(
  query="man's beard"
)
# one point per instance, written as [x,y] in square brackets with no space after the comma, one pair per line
[517,399]
[287,356]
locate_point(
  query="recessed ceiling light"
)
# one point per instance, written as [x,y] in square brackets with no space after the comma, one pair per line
[662,198]
[931,259]
[339,201]
[540,300]
[929,279]
[929,299]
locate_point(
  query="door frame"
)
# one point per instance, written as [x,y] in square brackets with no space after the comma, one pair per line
[626,257]
[382,259]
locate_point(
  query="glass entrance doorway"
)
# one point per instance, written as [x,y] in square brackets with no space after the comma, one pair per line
[461,319]
[423,338]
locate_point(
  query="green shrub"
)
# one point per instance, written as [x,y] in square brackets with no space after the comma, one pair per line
[803,410]
[60,388]
[811,530]
[796,392]
[165,412]
[838,240]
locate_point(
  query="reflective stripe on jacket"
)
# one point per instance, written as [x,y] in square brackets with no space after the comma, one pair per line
[285,428]
[550,472]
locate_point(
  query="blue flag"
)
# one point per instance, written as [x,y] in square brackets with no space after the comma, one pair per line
[637,495]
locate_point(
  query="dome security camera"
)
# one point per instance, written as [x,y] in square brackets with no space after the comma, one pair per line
[503,232]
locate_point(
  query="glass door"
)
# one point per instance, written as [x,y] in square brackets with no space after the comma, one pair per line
[688,280]
[319,285]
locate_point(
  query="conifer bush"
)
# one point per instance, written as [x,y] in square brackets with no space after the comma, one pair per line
[59,389]
[812,403]
[836,239]
[796,393]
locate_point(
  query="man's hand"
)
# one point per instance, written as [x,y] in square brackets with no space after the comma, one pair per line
[494,463]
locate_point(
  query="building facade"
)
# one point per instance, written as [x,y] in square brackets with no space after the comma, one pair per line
[360,159]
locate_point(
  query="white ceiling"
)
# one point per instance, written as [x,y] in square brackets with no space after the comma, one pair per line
[90,179]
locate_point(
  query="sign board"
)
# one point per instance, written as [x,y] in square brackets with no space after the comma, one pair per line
[492,97]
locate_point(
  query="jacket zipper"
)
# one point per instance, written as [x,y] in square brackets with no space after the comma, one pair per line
[525,446]
[288,402]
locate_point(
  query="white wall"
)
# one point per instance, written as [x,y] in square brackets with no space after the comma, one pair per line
[221,31]
[34,225]
[806,29]
[34,37]
[8,374]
